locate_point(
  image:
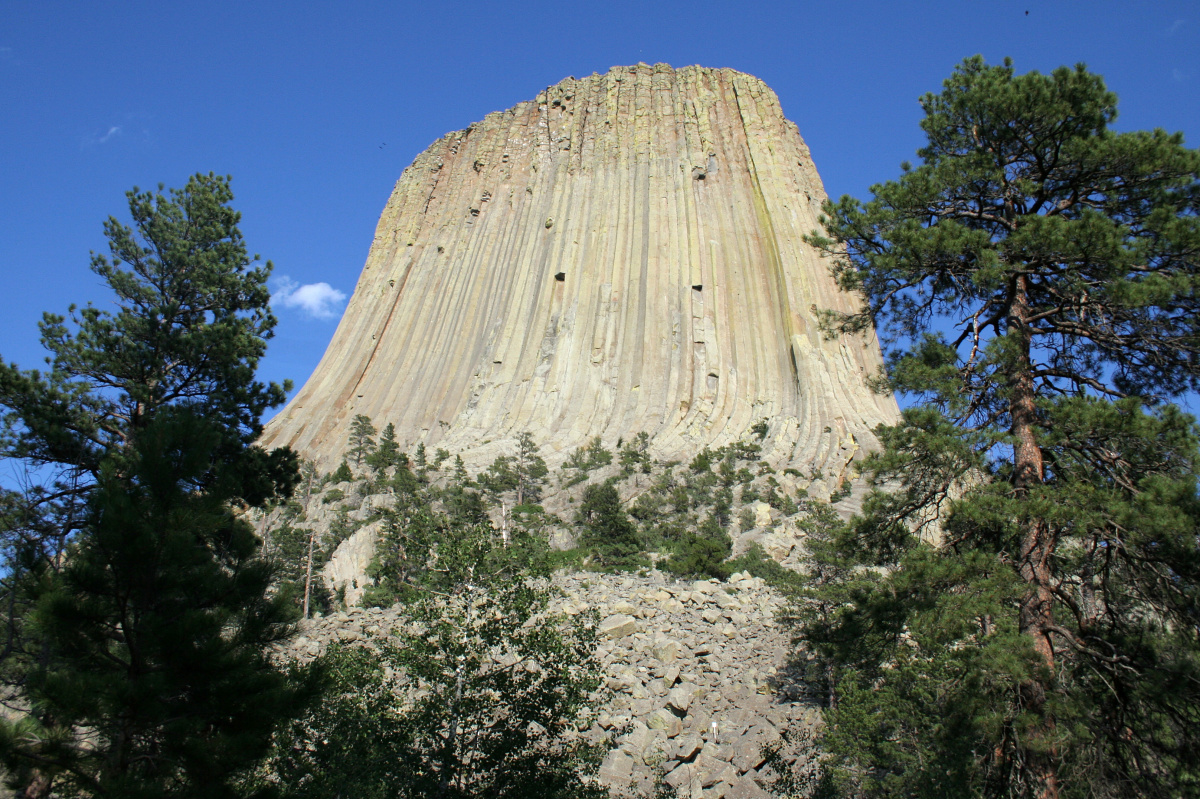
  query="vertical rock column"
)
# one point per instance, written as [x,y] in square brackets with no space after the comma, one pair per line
[621,254]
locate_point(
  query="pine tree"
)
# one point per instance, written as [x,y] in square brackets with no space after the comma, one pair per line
[362,439]
[530,470]
[156,626]
[608,532]
[136,590]
[1031,630]
[387,454]
[635,456]
[342,473]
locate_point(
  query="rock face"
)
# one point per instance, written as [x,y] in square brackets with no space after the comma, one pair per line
[621,254]
[696,679]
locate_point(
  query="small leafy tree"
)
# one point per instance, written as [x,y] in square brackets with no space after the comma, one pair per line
[342,474]
[1035,280]
[635,456]
[488,686]
[701,555]
[523,474]
[499,477]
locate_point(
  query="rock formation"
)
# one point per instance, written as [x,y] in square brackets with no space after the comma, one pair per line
[621,254]
[697,679]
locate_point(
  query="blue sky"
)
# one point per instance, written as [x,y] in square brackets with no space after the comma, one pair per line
[316,108]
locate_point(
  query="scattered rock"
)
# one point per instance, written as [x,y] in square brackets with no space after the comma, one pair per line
[665,720]
[618,626]
[717,659]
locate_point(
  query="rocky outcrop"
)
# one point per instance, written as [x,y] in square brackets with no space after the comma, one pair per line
[621,254]
[696,679]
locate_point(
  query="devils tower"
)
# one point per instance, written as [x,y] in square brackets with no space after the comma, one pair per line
[621,254]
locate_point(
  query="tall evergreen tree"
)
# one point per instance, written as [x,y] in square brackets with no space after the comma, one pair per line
[387,453]
[529,468]
[608,532]
[155,630]
[362,439]
[144,600]
[1036,283]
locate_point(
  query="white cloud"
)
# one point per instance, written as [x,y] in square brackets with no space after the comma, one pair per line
[1175,26]
[315,300]
[113,131]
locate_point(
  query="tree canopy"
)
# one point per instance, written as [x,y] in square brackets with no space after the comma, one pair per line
[136,596]
[1032,579]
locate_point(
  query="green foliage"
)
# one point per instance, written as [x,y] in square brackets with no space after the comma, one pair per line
[352,742]
[409,557]
[1008,620]
[635,455]
[466,506]
[191,322]
[530,470]
[157,626]
[440,456]
[523,474]
[499,477]
[362,440]
[492,682]
[703,461]
[701,555]
[288,555]
[138,609]
[584,460]
[746,519]
[608,534]
[759,429]
[387,453]
[342,474]
[755,562]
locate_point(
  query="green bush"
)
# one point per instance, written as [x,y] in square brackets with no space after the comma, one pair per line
[701,556]
[757,563]
[608,533]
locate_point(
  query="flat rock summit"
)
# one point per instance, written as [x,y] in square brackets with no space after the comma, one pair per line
[621,254]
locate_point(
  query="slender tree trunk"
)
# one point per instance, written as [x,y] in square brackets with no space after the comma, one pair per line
[312,535]
[1037,546]
[449,755]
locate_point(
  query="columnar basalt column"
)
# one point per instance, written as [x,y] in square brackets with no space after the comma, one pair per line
[621,254]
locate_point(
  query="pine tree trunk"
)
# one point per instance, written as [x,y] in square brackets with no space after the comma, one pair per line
[1037,546]
[312,534]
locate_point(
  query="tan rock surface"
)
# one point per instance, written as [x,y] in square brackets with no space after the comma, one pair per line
[621,254]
